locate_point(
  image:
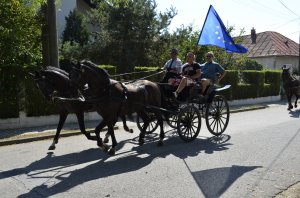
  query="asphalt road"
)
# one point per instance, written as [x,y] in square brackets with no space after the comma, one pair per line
[258,156]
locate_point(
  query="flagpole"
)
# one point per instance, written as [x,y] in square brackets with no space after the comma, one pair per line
[203,25]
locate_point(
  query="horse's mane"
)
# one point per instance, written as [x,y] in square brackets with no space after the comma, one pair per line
[58,70]
[95,68]
[53,75]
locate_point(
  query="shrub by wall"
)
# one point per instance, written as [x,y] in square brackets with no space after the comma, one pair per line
[272,83]
[10,79]
[231,78]
[109,68]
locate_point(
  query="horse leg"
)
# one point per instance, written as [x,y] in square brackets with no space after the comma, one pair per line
[98,128]
[296,101]
[80,119]
[112,151]
[289,98]
[145,119]
[62,118]
[126,128]
[162,133]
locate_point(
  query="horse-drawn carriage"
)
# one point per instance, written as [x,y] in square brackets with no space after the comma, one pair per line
[112,99]
[185,115]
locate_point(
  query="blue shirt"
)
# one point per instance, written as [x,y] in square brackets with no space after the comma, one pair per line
[210,70]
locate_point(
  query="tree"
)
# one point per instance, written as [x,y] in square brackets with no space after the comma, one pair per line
[76,30]
[20,32]
[131,29]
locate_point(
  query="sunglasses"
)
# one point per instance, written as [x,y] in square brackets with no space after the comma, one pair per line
[208,56]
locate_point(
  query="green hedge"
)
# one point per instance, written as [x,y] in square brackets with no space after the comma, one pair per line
[10,80]
[231,78]
[272,83]
[109,68]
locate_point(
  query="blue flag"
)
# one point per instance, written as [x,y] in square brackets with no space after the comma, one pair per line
[214,33]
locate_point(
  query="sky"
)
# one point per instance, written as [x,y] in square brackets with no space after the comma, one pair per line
[282,16]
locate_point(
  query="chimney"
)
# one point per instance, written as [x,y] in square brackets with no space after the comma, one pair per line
[253,36]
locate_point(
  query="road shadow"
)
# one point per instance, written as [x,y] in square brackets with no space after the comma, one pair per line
[101,166]
[295,113]
[214,182]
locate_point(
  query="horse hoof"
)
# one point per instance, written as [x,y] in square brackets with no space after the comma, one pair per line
[106,140]
[112,152]
[52,147]
[104,148]
[141,142]
[160,143]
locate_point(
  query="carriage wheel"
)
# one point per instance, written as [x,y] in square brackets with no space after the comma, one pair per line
[188,123]
[217,115]
[172,120]
[152,125]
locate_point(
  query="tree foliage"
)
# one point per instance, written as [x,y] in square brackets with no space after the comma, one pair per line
[129,32]
[20,32]
[76,30]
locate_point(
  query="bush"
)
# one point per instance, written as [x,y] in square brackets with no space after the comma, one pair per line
[272,83]
[10,80]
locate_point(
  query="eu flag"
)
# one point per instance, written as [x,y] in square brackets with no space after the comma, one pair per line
[214,33]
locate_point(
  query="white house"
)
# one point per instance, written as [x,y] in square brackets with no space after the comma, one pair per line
[272,49]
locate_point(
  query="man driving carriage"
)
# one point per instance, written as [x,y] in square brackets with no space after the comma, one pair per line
[172,66]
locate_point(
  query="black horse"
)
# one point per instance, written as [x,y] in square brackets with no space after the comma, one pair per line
[291,85]
[54,83]
[114,99]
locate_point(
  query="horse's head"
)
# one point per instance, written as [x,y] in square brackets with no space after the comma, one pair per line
[43,85]
[76,74]
[86,72]
[286,75]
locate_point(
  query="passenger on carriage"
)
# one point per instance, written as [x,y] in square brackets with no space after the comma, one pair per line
[172,66]
[191,72]
[211,72]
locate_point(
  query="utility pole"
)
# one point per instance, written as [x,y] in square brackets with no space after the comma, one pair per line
[49,35]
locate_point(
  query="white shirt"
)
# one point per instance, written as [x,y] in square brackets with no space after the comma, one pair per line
[175,67]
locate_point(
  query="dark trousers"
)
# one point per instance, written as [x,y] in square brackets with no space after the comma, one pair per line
[168,76]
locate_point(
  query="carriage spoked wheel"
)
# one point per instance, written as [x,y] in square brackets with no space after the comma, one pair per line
[171,120]
[217,115]
[152,125]
[189,123]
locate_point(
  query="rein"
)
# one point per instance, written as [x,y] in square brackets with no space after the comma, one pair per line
[124,74]
[132,81]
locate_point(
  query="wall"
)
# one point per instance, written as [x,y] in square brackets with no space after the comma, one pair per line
[276,62]
[63,9]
